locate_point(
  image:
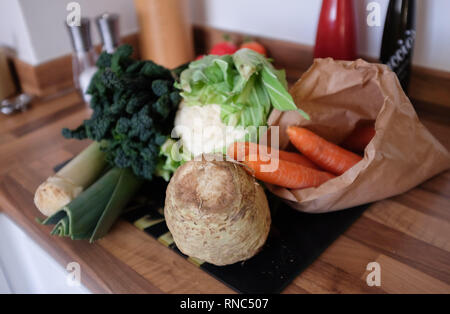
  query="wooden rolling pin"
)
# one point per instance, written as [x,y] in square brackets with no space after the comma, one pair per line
[165,34]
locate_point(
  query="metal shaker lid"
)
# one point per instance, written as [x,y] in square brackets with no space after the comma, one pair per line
[81,36]
[108,26]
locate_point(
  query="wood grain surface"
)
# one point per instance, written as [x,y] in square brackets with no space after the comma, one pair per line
[408,235]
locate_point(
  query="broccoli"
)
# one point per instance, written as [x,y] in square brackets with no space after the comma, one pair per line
[134,104]
[154,71]
[161,87]
[104,60]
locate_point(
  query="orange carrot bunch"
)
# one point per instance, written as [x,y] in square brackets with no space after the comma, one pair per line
[318,162]
[326,155]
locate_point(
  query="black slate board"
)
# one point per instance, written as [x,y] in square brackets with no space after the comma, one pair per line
[296,239]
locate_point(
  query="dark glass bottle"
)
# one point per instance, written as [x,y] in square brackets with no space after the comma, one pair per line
[398,39]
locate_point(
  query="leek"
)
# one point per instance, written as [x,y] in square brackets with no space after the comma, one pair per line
[94,211]
[60,189]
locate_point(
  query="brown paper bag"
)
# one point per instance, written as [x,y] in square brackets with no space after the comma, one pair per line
[339,94]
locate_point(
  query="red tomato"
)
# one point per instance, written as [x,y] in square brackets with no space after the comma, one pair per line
[253,45]
[223,48]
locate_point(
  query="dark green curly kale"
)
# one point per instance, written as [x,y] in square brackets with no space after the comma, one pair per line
[134,104]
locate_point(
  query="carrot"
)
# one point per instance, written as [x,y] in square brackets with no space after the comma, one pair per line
[326,155]
[288,174]
[239,150]
[359,138]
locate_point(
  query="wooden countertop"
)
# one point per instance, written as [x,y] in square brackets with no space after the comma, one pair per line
[408,235]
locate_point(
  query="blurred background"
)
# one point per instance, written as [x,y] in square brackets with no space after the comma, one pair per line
[34,28]
[39,46]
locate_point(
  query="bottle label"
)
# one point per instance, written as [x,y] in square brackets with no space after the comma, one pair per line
[403,52]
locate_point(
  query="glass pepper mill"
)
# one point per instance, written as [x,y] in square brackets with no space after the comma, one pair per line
[108,27]
[84,56]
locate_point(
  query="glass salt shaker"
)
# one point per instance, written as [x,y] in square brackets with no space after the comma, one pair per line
[84,56]
[108,27]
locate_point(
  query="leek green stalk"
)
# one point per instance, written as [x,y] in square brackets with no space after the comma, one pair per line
[94,211]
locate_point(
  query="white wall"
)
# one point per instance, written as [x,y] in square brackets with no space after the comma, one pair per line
[36,30]
[13,30]
[290,20]
[433,34]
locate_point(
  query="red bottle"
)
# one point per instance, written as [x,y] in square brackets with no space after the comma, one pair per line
[336,31]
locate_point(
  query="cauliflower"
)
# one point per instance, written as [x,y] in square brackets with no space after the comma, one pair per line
[201,130]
